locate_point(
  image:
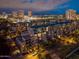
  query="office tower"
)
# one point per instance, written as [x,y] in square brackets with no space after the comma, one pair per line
[20,14]
[71,14]
[30,13]
[14,14]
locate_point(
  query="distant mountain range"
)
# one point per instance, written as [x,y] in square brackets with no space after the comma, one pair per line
[9,10]
[46,7]
[56,11]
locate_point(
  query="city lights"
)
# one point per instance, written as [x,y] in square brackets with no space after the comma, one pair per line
[40,37]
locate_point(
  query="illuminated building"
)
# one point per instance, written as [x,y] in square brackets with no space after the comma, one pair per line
[67,40]
[3,15]
[30,13]
[14,14]
[60,17]
[77,17]
[20,14]
[71,14]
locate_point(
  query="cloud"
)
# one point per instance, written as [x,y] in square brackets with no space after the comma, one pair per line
[36,5]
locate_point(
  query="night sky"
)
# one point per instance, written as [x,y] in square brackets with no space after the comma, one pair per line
[39,6]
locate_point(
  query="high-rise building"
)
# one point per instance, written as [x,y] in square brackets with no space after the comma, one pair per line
[4,15]
[14,14]
[77,16]
[30,13]
[71,14]
[20,14]
[60,16]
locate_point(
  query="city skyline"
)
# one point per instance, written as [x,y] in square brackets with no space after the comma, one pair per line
[44,7]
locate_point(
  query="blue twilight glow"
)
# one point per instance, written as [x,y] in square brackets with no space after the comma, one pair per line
[40,6]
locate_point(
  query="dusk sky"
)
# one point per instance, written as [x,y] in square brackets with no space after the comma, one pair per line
[40,6]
